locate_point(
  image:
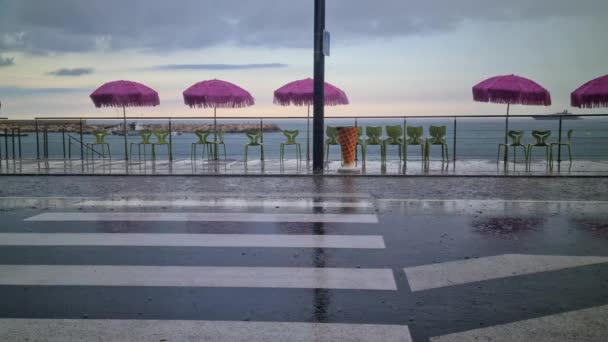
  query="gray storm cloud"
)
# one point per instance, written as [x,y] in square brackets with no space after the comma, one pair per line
[78,26]
[75,72]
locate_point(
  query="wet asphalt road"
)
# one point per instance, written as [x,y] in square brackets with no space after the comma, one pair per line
[433,223]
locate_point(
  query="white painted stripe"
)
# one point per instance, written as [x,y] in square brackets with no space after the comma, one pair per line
[297,194]
[191,240]
[191,276]
[64,330]
[501,266]
[588,325]
[210,217]
[227,203]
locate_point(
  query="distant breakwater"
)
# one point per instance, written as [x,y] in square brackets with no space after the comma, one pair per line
[73,126]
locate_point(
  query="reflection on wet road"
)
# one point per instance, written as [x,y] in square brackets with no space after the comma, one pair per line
[301,266]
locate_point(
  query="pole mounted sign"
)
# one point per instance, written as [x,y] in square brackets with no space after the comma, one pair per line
[326,43]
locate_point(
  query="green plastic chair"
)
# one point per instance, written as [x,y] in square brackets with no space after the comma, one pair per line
[332,139]
[395,138]
[204,142]
[291,141]
[541,141]
[99,141]
[568,144]
[437,137]
[254,137]
[414,137]
[220,142]
[145,140]
[374,138]
[515,143]
[161,140]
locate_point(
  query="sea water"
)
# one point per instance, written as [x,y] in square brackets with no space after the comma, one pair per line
[469,138]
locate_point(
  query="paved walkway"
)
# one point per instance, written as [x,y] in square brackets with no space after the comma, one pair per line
[303,259]
[293,167]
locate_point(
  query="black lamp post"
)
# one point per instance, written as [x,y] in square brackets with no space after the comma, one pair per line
[319,89]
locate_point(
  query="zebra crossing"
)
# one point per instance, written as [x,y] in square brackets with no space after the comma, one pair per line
[328,228]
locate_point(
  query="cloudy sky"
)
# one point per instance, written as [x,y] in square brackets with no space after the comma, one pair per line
[393,57]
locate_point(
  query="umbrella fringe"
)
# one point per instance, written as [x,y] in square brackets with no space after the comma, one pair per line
[509,97]
[218,103]
[306,100]
[590,101]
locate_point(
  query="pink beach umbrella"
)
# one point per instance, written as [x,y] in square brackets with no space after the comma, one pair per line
[593,94]
[301,93]
[125,94]
[217,94]
[511,89]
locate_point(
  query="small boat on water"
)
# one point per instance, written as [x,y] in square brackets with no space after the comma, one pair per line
[565,116]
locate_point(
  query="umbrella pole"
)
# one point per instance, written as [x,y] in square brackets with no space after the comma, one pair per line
[507,134]
[308,135]
[124,118]
[215,133]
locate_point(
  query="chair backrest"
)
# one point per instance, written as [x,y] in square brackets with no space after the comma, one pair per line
[332,135]
[254,136]
[438,134]
[291,136]
[414,135]
[516,137]
[374,135]
[570,133]
[161,136]
[202,136]
[220,137]
[145,136]
[541,137]
[99,136]
[394,133]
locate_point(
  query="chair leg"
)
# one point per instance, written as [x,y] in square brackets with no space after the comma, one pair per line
[447,153]
[109,153]
[281,152]
[498,155]
[246,149]
[569,153]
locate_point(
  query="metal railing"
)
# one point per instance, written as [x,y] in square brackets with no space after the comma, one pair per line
[464,140]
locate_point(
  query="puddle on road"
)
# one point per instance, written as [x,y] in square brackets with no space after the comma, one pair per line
[507,227]
[597,226]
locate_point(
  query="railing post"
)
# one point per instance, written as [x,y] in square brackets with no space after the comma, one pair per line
[262,134]
[404,137]
[13,132]
[356,150]
[170,142]
[63,141]
[37,142]
[46,143]
[81,142]
[6,143]
[70,147]
[559,147]
[19,140]
[454,148]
